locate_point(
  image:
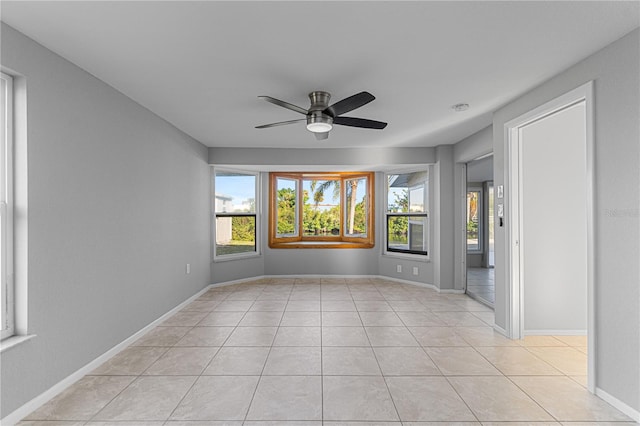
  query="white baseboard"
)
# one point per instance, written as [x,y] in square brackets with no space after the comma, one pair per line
[451,291]
[619,405]
[238,281]
[401,281]
[259,277]
[302,276]
[419,284]
[501,330]
[17,415]
[555,332]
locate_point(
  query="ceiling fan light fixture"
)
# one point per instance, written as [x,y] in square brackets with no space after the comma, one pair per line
[319,127]
[317,122]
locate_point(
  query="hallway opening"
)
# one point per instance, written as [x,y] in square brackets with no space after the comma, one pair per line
[479,225]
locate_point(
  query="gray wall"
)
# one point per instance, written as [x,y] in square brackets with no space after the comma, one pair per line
[117,205]
[474,146]
[444,244]
[479,171]
[270,158]
[616,72]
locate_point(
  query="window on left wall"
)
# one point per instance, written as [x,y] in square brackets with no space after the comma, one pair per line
[235,211]
[7,315]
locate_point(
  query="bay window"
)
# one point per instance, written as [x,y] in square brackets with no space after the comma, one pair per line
[321,210]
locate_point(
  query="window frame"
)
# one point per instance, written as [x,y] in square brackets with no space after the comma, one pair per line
[297,217]
[408,251]
[342,240]
[8,325]
[423,255]
[215,214]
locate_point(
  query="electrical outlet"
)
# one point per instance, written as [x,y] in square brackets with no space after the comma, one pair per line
[188,269]
[415,270]
[398,268]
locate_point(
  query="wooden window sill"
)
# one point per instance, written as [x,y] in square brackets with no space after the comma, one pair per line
[321,245]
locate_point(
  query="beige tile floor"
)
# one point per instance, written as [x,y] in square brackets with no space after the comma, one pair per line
[333,351]
[481,285]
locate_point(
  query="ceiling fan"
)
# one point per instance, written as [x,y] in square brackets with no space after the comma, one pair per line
[321,117]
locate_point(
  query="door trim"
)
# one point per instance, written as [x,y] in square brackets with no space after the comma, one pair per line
[463,212]
[512,130]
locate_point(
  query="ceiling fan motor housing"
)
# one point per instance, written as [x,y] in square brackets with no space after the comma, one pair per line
[315,118]
[319,100]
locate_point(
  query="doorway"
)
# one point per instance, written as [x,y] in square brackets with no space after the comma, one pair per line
[479,230]
[551,227]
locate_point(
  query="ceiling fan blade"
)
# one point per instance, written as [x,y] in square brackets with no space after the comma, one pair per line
[322,136]
[284,104]
[359,122]
[349,104]
[281,123]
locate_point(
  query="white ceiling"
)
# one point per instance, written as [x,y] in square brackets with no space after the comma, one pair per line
[201,65]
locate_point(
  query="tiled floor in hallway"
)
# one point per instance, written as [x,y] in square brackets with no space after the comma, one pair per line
[481,285]
[332,351]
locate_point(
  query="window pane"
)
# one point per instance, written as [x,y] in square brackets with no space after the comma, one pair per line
[416,199]
[235,192]
[286,200]
[398,232]
[398,195]
[407,192]
[407,233]
[473,220]
[356,209]
[321,212]
[417,233]
[6,227]
[235,234]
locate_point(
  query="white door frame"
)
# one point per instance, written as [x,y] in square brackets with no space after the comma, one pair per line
[463,212]
[513,131]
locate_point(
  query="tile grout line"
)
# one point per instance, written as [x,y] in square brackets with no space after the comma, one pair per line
[255,390]
[137,377]
[440,371]
[532,398]
[395,407]
[200,375]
